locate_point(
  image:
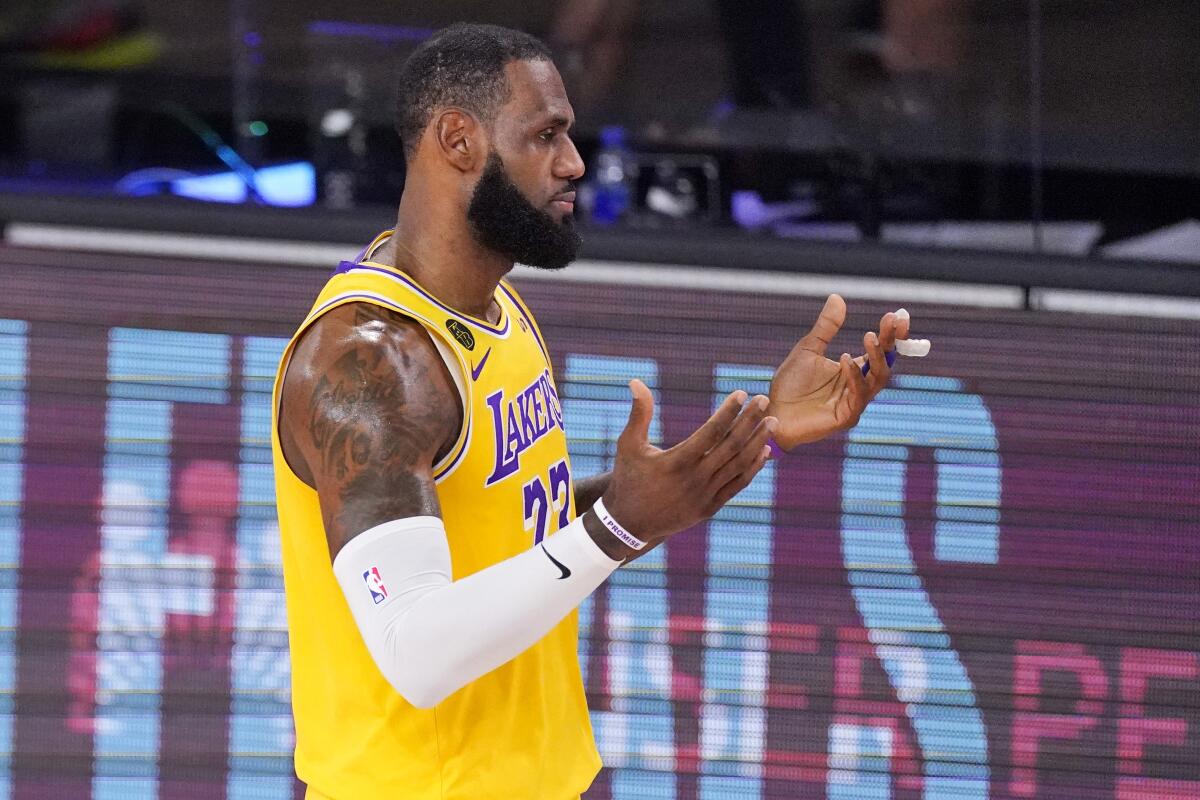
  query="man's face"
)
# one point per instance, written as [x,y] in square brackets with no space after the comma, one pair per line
[524,201]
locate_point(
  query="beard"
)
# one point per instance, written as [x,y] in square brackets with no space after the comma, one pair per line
[504,221]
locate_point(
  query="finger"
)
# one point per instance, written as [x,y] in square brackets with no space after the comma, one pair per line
[856,394]
[880,371]
[641,411]
[741,430]
[828,323]
[744,457]
[887,331]
[710,434]
[741,480]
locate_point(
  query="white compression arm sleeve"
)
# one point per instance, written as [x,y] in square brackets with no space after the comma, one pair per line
[431,636]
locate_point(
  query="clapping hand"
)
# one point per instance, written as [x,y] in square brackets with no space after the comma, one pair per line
[813,396]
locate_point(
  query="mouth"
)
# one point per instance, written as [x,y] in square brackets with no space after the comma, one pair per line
[564,202]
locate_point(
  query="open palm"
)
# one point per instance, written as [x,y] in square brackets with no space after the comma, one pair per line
[812,396]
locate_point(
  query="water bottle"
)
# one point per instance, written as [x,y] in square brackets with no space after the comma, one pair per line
[614,178]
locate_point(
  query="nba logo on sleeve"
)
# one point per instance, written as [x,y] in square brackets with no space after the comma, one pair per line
[375,585]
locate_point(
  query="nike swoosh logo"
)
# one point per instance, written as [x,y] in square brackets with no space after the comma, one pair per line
[477,370]
[566,573]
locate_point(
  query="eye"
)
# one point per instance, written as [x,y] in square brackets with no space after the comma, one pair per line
[547,134]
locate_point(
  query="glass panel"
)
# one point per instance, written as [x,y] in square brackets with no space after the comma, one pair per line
[935,123]
[1121,124]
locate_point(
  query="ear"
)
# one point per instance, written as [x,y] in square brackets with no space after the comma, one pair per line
[460,138]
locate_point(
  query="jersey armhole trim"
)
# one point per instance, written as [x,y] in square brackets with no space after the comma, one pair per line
[450,358]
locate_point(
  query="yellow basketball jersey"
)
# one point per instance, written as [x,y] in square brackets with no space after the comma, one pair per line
[522,730]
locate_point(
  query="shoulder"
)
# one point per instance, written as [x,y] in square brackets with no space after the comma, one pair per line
[362,323]
[357,338]
[378,354]
[364,371]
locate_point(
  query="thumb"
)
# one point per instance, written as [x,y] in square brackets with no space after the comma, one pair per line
[637,430]
[830,321]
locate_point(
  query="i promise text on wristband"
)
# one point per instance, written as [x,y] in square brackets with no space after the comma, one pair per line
[606,519]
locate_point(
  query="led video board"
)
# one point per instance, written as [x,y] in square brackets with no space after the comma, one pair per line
[988,589]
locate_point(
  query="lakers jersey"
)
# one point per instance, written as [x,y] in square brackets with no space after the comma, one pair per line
[522,730]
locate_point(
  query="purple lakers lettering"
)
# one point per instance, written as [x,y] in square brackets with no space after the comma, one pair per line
[519,422]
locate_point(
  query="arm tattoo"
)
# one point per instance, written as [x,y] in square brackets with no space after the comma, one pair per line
[342,414]
[376,421]
[373,497]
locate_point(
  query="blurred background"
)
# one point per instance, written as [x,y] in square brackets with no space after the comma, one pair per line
[988,589]
[1056,126]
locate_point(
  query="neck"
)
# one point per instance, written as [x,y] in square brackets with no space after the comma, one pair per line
[433,243]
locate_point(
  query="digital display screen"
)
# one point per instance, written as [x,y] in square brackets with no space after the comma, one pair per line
[990,588]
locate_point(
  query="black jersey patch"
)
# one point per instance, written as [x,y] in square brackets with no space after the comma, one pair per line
[461,333]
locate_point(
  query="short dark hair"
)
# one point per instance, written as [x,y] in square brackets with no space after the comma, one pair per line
[463,66]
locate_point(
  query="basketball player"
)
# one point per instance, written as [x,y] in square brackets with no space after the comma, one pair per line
[435,541]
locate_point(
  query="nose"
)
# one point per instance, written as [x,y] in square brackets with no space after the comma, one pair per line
[569,164]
